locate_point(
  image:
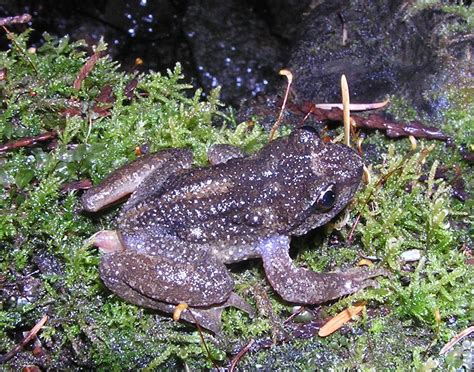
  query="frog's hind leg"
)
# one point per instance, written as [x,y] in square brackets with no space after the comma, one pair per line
[161,283]
[304,286]
[125,180]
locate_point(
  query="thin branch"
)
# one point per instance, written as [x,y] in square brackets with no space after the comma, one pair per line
[30,336]
[275,127]
[27,141]
[239,356]
[460,336]
[201,335]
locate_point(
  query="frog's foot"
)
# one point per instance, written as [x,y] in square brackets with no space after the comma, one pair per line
[210,318]
[305,286]
[107,241]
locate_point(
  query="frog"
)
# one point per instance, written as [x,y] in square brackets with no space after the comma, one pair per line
[182,226]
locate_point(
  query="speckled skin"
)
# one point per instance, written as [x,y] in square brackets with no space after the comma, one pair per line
[176,233]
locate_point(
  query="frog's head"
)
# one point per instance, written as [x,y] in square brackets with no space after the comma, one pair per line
[335,172]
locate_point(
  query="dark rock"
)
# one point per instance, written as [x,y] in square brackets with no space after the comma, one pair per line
[232,47]
[390,49]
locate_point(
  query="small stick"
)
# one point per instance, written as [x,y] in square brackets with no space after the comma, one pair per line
[32,334]
[201,335]
[289,76]
[239,356]
[24,18]
[456,339]
[353,106]
[356,222]
[27,141]
[346,110]
[340,319]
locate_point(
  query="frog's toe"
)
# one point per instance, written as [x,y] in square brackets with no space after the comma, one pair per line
[107,241]
[210,318]
[356,279]
[236,301]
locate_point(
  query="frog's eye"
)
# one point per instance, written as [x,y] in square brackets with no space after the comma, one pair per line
[326,198]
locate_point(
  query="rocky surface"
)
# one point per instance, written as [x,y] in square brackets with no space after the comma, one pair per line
[383,47]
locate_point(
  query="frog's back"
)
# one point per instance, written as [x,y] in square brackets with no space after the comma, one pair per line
[277,191]
[251,196]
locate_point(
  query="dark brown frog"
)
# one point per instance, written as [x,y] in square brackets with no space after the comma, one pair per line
[182,225]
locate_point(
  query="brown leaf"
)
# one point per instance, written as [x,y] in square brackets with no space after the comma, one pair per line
[105,95]
[85,70]
[27,141]
[339,320]
[130,88]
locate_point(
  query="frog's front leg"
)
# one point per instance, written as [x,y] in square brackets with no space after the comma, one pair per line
[125,180]
[304,286]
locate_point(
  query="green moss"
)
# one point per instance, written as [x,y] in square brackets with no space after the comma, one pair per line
[41,229]
[37,218]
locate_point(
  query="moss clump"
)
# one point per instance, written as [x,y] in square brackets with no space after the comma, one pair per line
[39,220]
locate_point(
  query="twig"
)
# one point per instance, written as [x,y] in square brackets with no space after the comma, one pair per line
[353,106]
[32,334]
[27,141]
[239,356]
[456,339]
[354,225]
[201,335]
[346,110]
[24,18]
[392,128]
[289,76]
